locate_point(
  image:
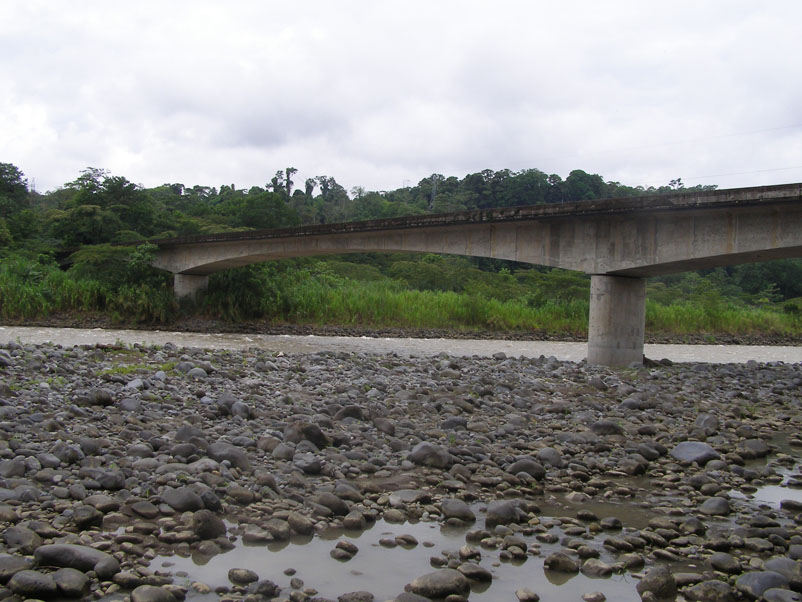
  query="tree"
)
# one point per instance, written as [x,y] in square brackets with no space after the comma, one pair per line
[582,186]
[13,188]
[290,171]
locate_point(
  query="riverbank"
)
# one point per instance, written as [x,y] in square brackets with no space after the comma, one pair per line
[113,456]
[267,327]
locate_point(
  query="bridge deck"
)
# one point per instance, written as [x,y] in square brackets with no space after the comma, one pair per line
[653,204]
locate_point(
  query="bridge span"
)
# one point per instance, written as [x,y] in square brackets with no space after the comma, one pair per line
[619,242]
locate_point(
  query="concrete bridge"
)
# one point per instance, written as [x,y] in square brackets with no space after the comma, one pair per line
[619,242]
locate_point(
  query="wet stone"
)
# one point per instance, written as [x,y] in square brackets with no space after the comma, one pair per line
[561,562]
[753,584]
[150,593]
[658,581]
[454,508]
[33,584]
[715,506]
[440,584]
[242,576]
[726,563]
[71,583]
[776,594]
[82,558]
[712,590]
[12,564]
[694,451]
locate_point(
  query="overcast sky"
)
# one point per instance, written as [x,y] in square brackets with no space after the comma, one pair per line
[381,94]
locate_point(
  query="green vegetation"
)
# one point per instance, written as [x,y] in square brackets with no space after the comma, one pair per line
[79,223]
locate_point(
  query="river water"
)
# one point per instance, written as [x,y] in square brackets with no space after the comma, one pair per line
[402,346]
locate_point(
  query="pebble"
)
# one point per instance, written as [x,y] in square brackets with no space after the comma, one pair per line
[297,444]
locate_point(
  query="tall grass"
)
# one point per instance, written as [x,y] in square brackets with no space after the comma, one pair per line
[693,318]
[334,294]
[36,288]
[387,303]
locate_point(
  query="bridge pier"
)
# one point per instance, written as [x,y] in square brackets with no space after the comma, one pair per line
[186,285]
[617,320]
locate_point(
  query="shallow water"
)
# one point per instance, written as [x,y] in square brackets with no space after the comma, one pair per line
[384,572]
[402,346]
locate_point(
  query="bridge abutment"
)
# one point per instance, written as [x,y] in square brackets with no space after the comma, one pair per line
[186,285]
[617,320]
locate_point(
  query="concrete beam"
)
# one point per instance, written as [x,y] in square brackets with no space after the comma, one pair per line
[617,320]
[187,285]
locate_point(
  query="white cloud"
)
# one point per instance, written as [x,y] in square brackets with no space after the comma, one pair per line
[376,92]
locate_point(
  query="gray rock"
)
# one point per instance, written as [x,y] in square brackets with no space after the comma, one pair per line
[22,538]
[715,506]
[593,567]
[694,451]
[332,502]
[198,373]
[440,584]
[300,524]
[78,557]
[182,499]
[145,509]
[455,508]
[712,590]
[71,583]
[505,512]
[429,454]
[222,451]
[474,572]
[86,517]
[785,566]
[526,595]
[551,456]
[607,427]
[67,453]
[753,448]
[308,463]
[658,581]
[283,451]
[96,397]
[207,525]
[560,562]
[242,576]
[278,528]
[755,583]
[33,584]
[528,466]
[12,564]
[13,468]
[297,431]
[776,594]
[726,563]
[264,588]
[152,593]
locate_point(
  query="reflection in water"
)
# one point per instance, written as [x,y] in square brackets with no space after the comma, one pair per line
[385,571]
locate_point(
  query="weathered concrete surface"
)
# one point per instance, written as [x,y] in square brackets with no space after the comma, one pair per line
[617,320]
[641,237]
[186,285]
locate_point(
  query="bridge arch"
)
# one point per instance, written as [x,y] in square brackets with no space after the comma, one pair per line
[619,242]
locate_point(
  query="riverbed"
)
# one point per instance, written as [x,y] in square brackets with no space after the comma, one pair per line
[565,351]
[314,463]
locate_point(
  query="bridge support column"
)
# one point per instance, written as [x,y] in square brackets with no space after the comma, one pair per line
[186,285]
[617,320]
